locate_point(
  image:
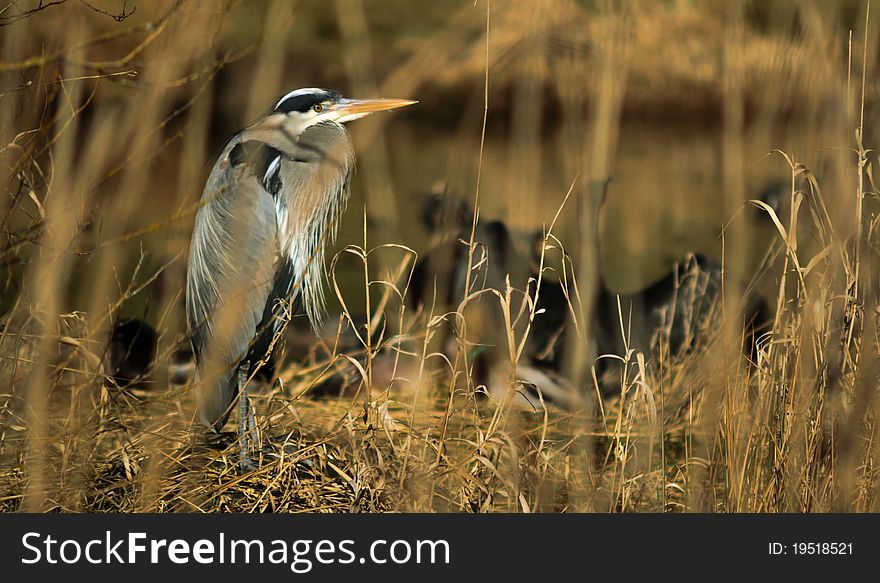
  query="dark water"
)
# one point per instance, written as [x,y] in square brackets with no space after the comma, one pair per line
[665,199]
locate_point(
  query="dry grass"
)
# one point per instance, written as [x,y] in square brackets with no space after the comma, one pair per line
[106,128]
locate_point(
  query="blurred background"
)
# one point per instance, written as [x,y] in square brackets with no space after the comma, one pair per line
[680,102]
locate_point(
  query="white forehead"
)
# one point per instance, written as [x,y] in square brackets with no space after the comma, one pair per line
[297,93]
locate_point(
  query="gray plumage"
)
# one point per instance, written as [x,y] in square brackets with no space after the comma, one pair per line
[270,208]
[253,250]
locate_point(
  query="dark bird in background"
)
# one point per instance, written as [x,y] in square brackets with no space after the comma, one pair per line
[271,207]
[439,279]
[131,352]
[439,275]
[671,314]
[674,313]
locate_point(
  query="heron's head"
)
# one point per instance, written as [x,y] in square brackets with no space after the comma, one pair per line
[301,109]
[304,158]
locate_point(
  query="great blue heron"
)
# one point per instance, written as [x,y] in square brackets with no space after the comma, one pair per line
[270,208]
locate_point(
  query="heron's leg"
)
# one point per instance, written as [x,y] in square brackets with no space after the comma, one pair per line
[252,427]
[245,437]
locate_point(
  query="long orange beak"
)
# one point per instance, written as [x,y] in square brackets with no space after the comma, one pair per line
[351,109]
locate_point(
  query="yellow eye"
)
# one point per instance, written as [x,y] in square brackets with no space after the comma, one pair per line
[318,108]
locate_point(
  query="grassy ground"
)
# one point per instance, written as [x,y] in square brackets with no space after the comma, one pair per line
[107,127]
